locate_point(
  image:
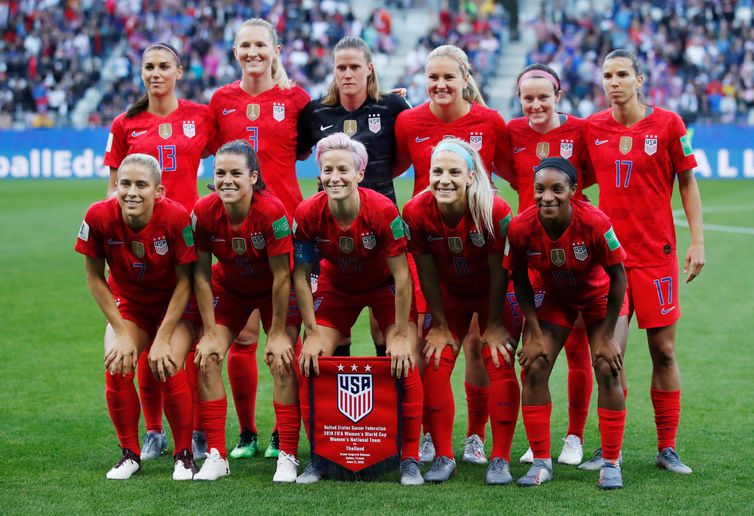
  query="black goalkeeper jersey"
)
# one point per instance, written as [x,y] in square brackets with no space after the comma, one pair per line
[373,124]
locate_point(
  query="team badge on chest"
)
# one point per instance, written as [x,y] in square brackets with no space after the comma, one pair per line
[566,148]
[557,257]
[476,238]
[258,241]
[375,123]
[350,127]
[278,111]
[368,240]
[650,144]
[580,251]
[626,142]
[252,111]
[137,249]
[345,244]
[475,140]
[165,131]
[239,245]
[543,150]
[161,246]
[189,128]
[455,244]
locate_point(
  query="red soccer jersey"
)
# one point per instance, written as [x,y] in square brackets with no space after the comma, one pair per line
[243,251]
[418,131]
[528,147]
[142,263]
[460,253]
[353,259]
[270,122]
[635,168]
[177,141]
[573,265]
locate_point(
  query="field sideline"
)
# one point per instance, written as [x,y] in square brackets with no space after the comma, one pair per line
[57,442]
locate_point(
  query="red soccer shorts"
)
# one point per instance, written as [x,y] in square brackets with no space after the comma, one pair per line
[419,301]
[458,314]
[146,317]
[653,294]
[558,310]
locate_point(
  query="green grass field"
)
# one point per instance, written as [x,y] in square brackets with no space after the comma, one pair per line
[56,440]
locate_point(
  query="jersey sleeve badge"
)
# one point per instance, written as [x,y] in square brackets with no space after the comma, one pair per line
[188,234]
[398,228]
[84,232]
[280,228]
[611,239]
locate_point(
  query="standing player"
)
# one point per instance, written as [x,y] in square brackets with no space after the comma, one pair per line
[176,132]
[361,240]
[355,105]
[541,133]
[579,261]
[455,109]
[638,151]
[246,229]
[458,229]
[146,241]
[262,108]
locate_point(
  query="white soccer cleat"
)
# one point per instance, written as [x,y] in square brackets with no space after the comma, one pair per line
[527,458]
[310,475]
[473,450]
[572,453]
[426,449]
[214,467]
[128,465]
[184,468]
[287,469]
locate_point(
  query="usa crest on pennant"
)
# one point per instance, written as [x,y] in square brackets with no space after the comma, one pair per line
[375,123]
[278,111]
[189,128]
[650,144]
[161,246]
[355,395]
[566,148]
[165,131]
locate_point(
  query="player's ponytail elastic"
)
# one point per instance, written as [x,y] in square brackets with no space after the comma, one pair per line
[244,149]
[142,104]
[279,77]
[471,92]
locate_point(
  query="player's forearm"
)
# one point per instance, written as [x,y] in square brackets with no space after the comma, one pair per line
[304,298]
[281,289]
[692,205]
[430,285]
[525,297]
[175,309]
[498,284]
[204,301]
[615,296]
[103,296]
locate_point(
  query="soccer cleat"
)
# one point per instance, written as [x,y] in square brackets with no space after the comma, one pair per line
[473,450]
[199,444]
[411,475]
[527,458]
[668,459]
[247,446]
[185,468]
[539,473]
[442,469]
[214,467]
[595,463]
[610,476]
[572,452]
[426,449]
[310,475]
[287,469]
[155,444]
[273,449]
[128,465]
[498,473]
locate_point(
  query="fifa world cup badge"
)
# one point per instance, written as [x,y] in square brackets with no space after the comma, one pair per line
[350,127]
[626,142]
[165,131]
[558,257]
[543,150]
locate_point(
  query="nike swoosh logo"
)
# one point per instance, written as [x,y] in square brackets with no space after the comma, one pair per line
[227,111]
[321,239]
[324,128]
[518,149]
[532,253]
[667,310]
[215,239]
[419,140]
[114,242]
[434,238]
[599,142]
[137,133]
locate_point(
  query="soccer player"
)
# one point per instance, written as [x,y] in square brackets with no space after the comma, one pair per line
[455,109]
[176,132]
[246,228]
[638,151]
[355,105]
[362,243]
[543,132]
[263,108]
[579,261]
[457,232]
[146,241]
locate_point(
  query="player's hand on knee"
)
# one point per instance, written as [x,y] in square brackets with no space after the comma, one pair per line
[278,354]
[121,359]
[209,348]
[498,339]
[401,358]
[609,351]
[311,350]
[434,344]
[161,362]
[532,349]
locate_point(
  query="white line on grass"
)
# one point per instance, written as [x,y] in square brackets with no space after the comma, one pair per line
[737,230]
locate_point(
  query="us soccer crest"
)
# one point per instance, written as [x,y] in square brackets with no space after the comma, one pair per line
[566,148]
[252,111]
[239,245]
[375,123]
[161,246]
[475,140]
[165,131]
[558,257]
[137,249]
[258,241]
[355,395]
[626,142]
[580,251]
[369,240]
[477,238]
[650,144]
[543,150]
[455,244]
[189,128]
[278,111]
[350,127]
[345,244]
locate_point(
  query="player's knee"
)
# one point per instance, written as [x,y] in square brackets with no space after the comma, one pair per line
[663,354]
[604,374]
[538,373]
